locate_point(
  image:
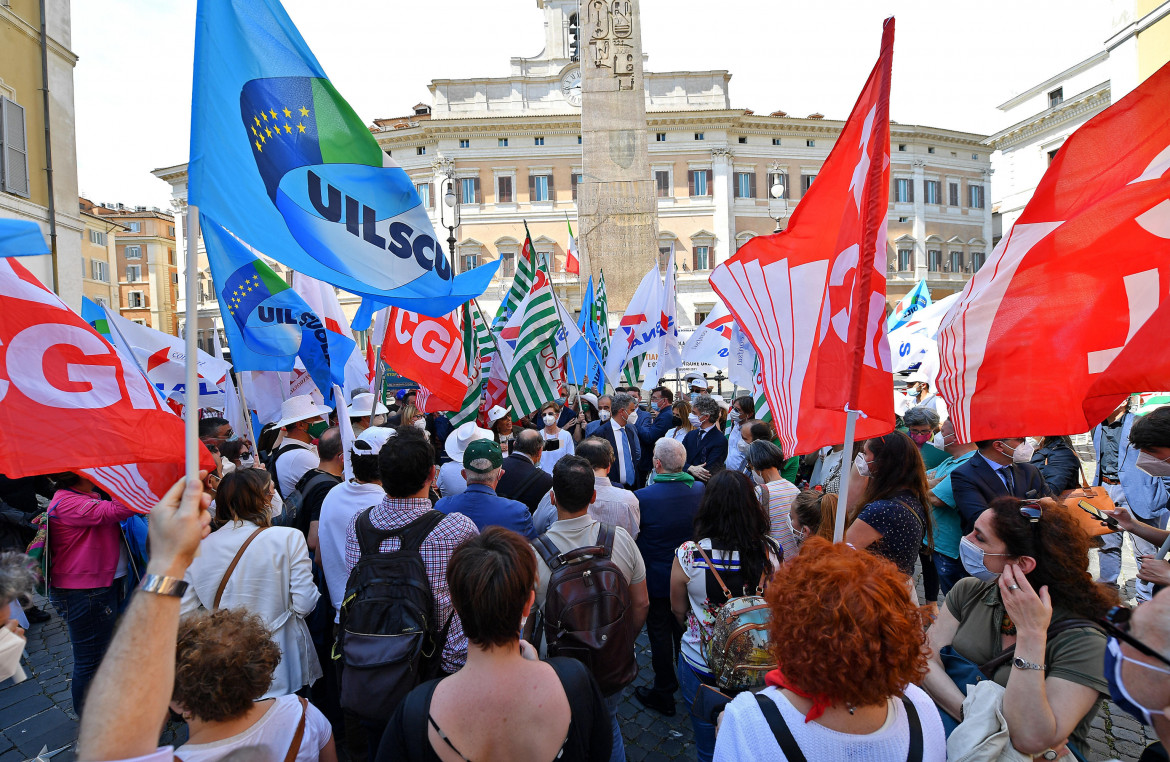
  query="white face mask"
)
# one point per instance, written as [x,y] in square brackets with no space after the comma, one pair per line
[862,464]
[1151,465]
[742,446]
[733,415]
[633,417]
[694,419]
[603,415]
[419,423]
[549,419]
[247,461]
[1023,453]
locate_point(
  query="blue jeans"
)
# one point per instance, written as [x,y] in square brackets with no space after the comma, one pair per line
[618,754]
[688,686]
[90,616]
[950,571]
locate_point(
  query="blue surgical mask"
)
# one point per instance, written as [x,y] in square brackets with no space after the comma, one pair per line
[1114,658]
[972,557]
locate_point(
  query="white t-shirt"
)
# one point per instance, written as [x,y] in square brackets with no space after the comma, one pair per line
[549,458]
[343,502]
[273,732]
[294,464]
[450,480]
[744,733]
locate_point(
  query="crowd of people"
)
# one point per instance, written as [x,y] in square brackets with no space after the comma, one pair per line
[425,593]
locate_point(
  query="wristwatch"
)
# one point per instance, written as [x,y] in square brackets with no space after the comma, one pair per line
[160,585]
[1019,663]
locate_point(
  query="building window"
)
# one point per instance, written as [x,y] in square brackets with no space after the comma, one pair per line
[699,136]
[700,316]
[133,273]
[977,260]
[133,227]
[171,230]
[464,143]
[576,179]
[1056,97]
[538,141]
[133,252]
[504,189]
[135,299]
[540,187]
[953,194]
[424,194]
[1052,155]
[700,182]
[775,142]
[502,142]
[930,149]
[507,264]
[956,263]
[782,178]
[98,237]
[903,219]
[660,137]
[975,157]
[931,192]
[934,260]
[470,258]
[745,184]
[420,151]
[742,140]
[662,182]
[469,190]
[170,256]
[905,260]
[13,149]
[99,270]
[975,196]
[806,182]
[902,147]
[903,190]
[578,140]
[139,321]
[702,258]
[101,301]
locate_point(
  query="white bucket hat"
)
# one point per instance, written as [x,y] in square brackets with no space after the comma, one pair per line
[458,439]
[496,413]
[299,408]
[590,398]
[361,404]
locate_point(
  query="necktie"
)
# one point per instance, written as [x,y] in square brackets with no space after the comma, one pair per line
[626,464]
[1008,479]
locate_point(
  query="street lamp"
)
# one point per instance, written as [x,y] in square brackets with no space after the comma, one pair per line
[452,203]
[777,191]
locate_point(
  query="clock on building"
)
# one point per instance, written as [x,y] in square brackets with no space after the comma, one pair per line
[571,86]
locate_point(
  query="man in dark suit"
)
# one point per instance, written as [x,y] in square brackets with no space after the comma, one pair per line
[1001,467]
[705,444]
[622,434]
[523,479]
[668,508]
[652,426]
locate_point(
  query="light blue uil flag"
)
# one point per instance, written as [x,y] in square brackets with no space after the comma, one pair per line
[268,324]
[281,160]
[917,299]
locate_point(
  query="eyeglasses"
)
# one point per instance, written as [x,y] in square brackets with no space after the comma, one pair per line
[1116,623]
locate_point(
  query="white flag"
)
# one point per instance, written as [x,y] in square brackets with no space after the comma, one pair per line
[710,343]
[669,355]
[638,330]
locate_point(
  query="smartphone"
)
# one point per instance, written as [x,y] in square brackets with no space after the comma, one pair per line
[709,702]
[1093,511]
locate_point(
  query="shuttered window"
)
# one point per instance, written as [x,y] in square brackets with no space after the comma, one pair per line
[13,149]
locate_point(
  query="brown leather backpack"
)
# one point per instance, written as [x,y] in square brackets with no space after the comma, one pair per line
[585,609]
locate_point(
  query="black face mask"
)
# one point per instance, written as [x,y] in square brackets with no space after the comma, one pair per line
[676,421]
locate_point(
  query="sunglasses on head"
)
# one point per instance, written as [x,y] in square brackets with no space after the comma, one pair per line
[1116,623]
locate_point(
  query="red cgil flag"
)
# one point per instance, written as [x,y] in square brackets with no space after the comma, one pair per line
[58,374]
[1070,313]
[429,351]
[812,298]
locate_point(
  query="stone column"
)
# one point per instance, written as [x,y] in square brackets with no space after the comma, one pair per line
[920,263]
[617,205]
[180,216]
[986,234]
[721,194]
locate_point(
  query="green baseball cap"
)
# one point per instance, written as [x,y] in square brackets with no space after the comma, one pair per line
[482,456]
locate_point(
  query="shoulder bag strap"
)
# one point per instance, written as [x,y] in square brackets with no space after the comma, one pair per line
[528,481]
[711,566]
[1054,629]
[780,730]
[765,499]
[232,567]
[915,752]
[548,551]
[295,747]
[414,534]
[605,537]
[369,537]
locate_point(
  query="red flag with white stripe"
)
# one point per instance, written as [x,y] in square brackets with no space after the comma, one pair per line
[1070,313]
[811,299]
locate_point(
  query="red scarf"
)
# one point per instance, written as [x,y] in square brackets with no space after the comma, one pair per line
[819,703]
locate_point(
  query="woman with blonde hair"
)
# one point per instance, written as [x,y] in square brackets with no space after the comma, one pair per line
[682,412]
[813,514]
[250,564]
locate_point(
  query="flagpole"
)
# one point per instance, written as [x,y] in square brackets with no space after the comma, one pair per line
[191,412]
[377,384]
[560,309]
[846,472]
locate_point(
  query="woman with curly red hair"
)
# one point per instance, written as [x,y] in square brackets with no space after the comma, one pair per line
[849,645]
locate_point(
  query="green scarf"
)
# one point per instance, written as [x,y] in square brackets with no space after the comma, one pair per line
[682,476]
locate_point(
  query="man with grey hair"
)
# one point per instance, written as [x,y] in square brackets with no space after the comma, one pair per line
[705,444]
[604,413]
[668,510]
[482,461]
[622,436]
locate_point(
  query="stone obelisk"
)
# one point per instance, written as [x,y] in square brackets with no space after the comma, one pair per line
[617,206]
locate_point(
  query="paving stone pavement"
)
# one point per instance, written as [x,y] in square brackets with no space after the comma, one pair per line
[39,712]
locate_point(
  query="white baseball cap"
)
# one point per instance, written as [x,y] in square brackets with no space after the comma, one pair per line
[372,440]
[460,438]
[360,406]
[300,408]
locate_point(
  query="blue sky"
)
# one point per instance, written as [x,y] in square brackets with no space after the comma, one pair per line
[954,62]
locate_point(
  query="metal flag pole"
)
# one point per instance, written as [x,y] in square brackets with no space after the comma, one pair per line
[377,383]
[846,472]
[191,411]
[600,364]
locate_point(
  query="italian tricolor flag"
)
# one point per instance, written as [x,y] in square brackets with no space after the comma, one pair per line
[572,261]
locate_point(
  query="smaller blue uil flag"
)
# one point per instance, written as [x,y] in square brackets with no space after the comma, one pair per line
[911,303]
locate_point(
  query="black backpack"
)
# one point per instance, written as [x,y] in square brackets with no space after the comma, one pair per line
[271,464]
[389,638]
[292,514]
[585,608]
